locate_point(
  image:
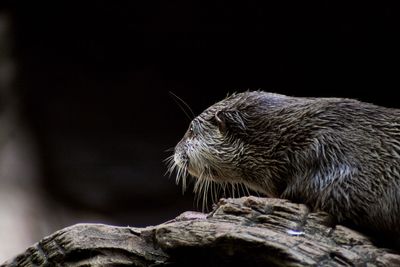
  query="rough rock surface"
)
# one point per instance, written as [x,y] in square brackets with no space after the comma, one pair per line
[248,231]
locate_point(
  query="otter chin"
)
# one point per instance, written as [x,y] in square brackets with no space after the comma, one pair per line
[341,156]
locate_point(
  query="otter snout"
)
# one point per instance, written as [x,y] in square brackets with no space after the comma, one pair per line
[180,156]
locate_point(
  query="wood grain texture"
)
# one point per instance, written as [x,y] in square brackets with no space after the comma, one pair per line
[247,231]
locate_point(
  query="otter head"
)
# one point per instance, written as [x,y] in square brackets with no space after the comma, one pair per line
[229,144]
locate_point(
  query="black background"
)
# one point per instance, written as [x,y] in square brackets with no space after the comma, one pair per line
[94,79]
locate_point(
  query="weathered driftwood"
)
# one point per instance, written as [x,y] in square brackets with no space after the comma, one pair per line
[248,231]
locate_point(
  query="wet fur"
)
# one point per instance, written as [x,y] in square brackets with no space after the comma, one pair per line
[341,156]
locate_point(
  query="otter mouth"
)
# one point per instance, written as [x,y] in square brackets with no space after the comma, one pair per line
[209,184]
[185,165]
[192,171]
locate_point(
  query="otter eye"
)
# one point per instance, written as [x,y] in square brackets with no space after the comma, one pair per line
[190,132]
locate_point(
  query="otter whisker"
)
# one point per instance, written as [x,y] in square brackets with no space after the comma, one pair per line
[205,194]
[237,190]
[178,174]
[211,190]
[171,165]
[184,177]
[241,190]
[214,194]
[179,101]
[224,189]
[169,171]
[171,149]
[227,189]
[181,172]
[168,159]
[198,189]
[233,189]
[247,189]
[204,187]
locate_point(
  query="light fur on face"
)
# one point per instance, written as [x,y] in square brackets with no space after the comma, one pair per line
[195,156]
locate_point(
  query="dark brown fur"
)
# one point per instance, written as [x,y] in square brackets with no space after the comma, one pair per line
[341,156]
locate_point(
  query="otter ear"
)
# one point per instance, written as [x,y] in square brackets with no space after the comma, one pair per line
[229,120]
[221,121]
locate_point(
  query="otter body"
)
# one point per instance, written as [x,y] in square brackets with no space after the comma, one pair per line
[337,155]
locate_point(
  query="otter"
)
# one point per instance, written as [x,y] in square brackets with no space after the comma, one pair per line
[337,155]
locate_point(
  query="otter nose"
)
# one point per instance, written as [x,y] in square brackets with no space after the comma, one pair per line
[180,156]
